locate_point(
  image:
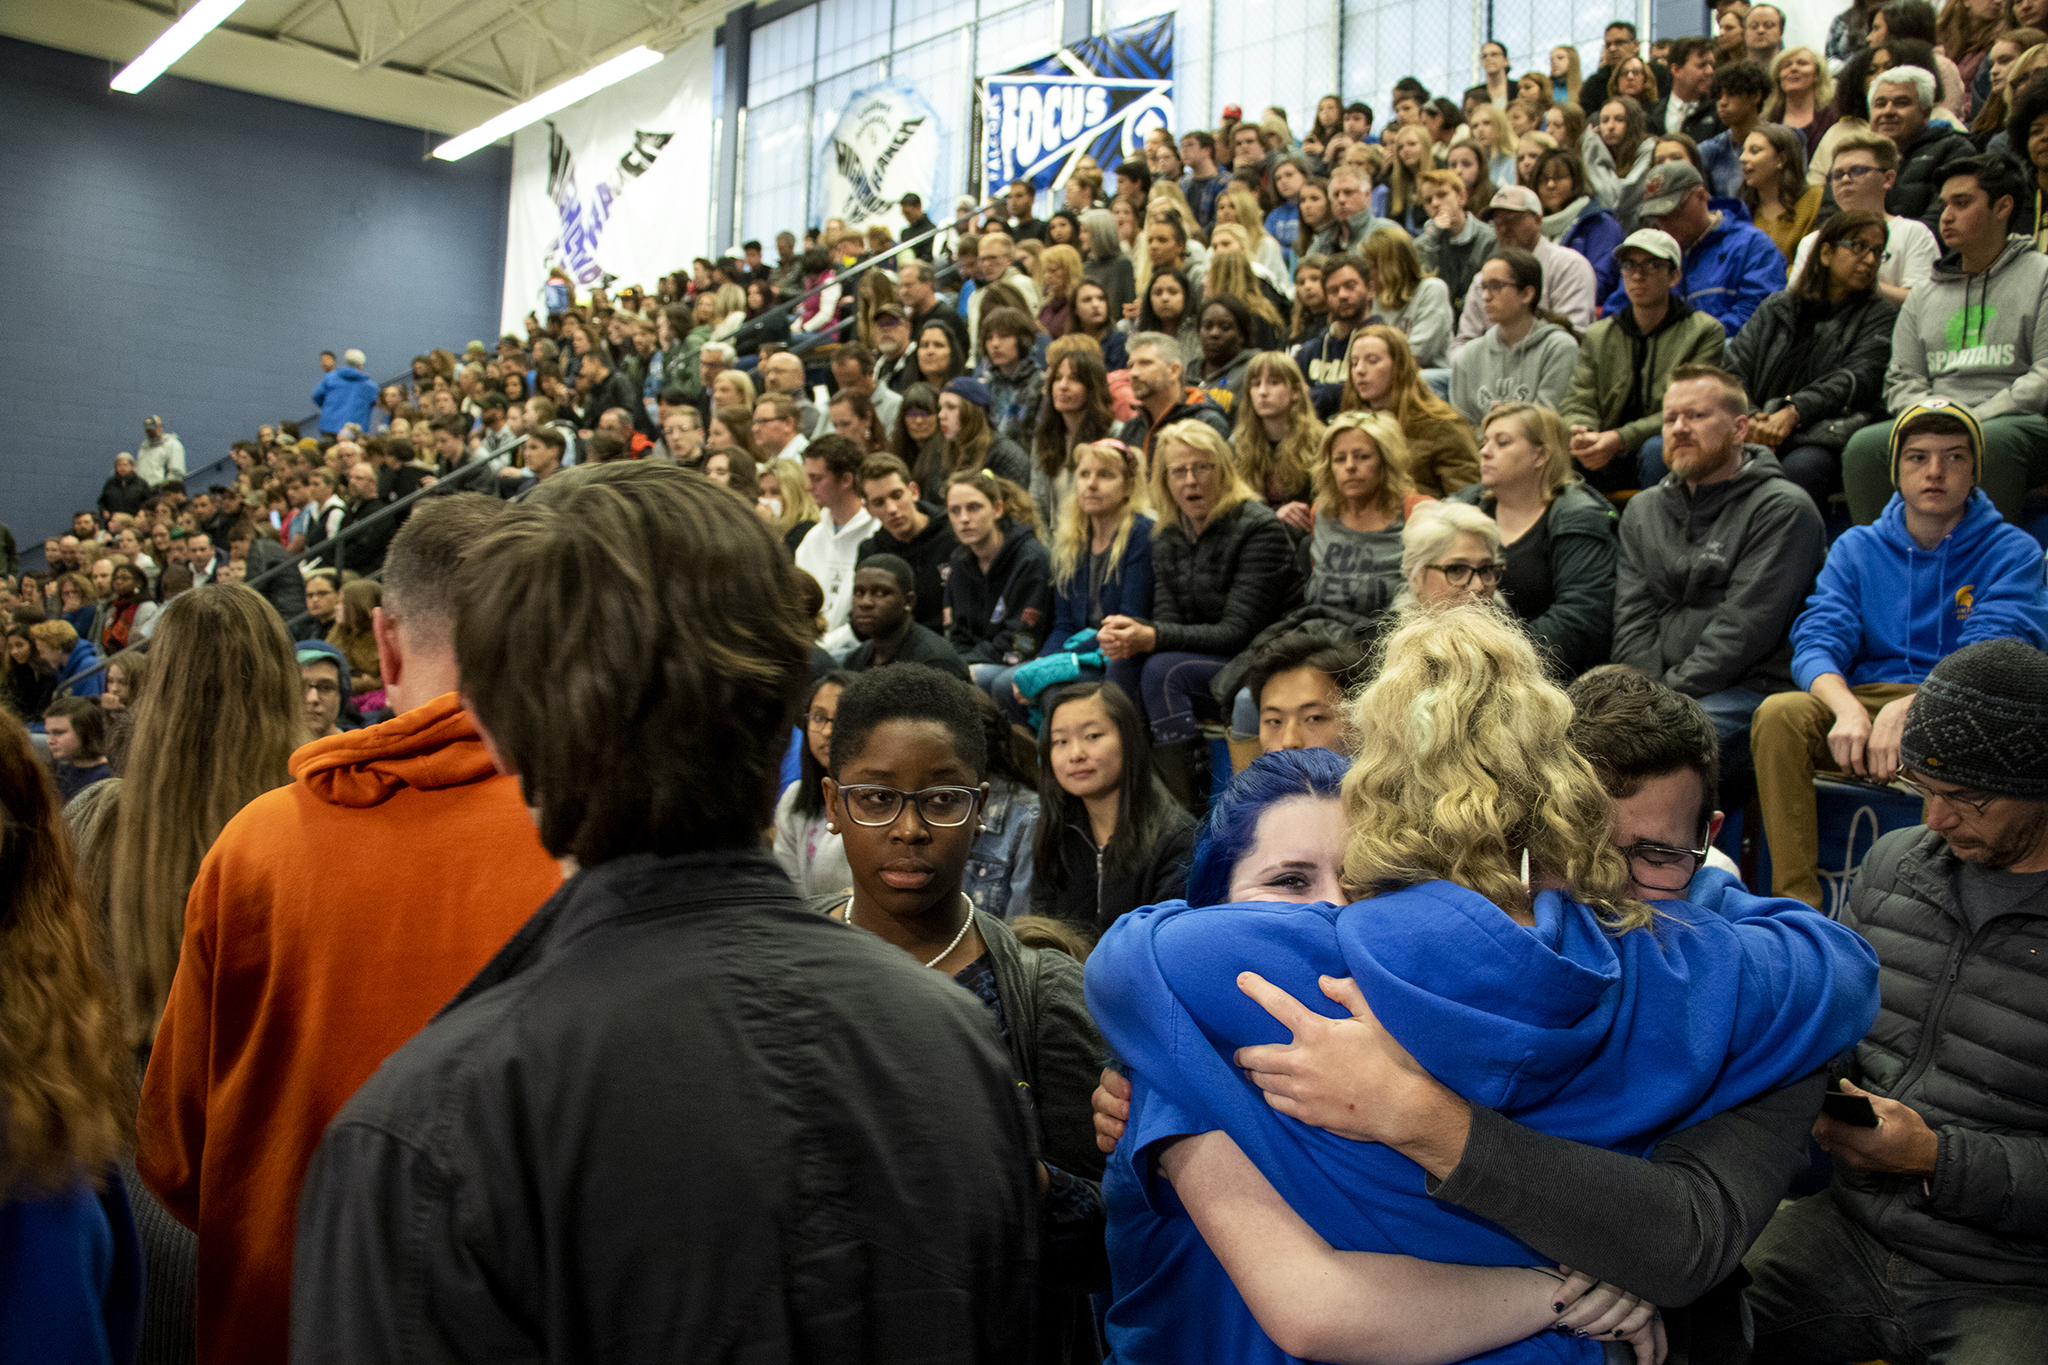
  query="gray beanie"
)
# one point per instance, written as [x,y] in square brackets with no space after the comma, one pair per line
[1981,721]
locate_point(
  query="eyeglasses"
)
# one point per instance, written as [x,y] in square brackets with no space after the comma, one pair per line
[1849,175]
[1976,801]
[1461,575]
[821,720]
[1181,473]
[939,807]
[1662,867]
[1492,287]
[1862,251]
[325,689]
[1639,266]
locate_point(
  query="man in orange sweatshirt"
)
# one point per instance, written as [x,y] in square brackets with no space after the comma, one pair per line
[328,923]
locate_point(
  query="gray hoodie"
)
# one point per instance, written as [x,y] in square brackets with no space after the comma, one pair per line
[1978,339]
[1537,369]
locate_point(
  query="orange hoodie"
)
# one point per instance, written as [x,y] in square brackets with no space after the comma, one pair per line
[329,922]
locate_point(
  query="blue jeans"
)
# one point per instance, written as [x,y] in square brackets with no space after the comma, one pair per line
[1823,1290]
[1730,710]
[1173,694]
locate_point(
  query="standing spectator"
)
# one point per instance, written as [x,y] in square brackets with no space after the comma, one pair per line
[1525,356]
[1715,560]
[1860,177]
[1516,215]
[1940,570]
[1926,1242]
[673,922]
[77,731]
[1991,355]
[344,395]
[161,456]
[1739,94]
[1901,101]
[124,490]
[830,550]
[1615,401]
[1382,375]
[1730,266]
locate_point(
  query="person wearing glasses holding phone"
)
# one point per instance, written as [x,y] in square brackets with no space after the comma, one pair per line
[1864,168]
[1928,1244]
[907,792]
[1939,570]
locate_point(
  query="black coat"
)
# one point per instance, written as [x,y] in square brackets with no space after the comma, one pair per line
[1091,894]
[1002,616]
[1212,595]
[362,551]
[1828,362]
[678,1117]
[1961,1036]
[930,557]
[127,494]
[1923,165]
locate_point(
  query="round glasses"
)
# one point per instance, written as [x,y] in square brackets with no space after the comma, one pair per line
[939,807]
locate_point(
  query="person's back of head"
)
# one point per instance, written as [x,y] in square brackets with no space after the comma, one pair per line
[630,638]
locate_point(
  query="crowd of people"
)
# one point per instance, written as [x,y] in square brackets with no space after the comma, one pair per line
[1171,619]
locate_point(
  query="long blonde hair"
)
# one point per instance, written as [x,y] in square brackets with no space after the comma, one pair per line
[1202,437]
[1546,430]
[797,503]
[1259,462]
[1230,272]
[1503,141]
[1412,397]
[1070,546]
[1244,208]
[194,764]
[1463,763]
[1403,185]
[1387,439]
[1067,261]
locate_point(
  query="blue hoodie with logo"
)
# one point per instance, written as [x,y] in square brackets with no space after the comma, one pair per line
[1886,611]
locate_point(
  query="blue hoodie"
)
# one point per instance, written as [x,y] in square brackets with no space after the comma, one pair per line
[1886,611]
[1609,1040]
[82,657]
[1728,272]
[345,394]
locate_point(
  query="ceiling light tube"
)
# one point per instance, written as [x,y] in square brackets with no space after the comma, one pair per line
[173,43]
[604,74]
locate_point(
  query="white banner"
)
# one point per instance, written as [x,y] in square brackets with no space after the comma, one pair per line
[885,145]
[616,188]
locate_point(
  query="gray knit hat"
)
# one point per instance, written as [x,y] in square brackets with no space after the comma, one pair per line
[1981,721]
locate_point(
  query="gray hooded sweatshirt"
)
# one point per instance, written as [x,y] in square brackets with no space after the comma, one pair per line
[1978,339]
[1537,369]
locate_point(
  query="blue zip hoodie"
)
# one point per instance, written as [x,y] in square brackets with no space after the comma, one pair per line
[1612,1040]
[345,395]
[1886,611]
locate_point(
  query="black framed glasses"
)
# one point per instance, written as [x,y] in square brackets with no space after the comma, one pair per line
[1662,867]
[939,807]
[1461,575]
[1975,801]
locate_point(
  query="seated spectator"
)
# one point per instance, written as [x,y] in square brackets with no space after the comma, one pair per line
[1617,153]
[1774,187]
[1062,269]
[1456,242]
[1715,560]
[323,600]
[1574,218]
[1729,266]
[1879,617]
[128,615]
[124,490]
[1170,306]
[362,550]
[70,1263]
[807,841]
[1297,685]
[1238,208]
[1820,350]
[937,359]
[1381,376]
[1157,364]
[1224,337]
[1221,567]
[1093,319]
[912,530]
[1524,356]
[1864,169]
[1614,403]
[920,443]
[1104,264]
[125,672]
[1015,381]
[1232,274]
[853,375]
[830,549]
[31,683]
[1516,215]
[775,427]
[1321,358]
[1947,1181]
[354,634]
[971,442]
[884,599]
[324,686]
[77,602]
[1404,298]
[1276,437]
[1110,835]
[66,656]
[1557,537]
[1352,220]
[1901,105]
[1739,91]
[1994,359]
[77,731]
[1077,410]
[999,590]
[855,418]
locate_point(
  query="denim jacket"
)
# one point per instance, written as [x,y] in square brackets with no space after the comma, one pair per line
[998,876]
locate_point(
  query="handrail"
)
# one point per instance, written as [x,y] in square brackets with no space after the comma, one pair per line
[840,277]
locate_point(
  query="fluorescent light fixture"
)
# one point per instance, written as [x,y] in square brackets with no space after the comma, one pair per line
[548,101]
[173,43]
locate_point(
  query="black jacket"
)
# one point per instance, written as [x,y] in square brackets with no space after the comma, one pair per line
[120,494]
[920,646]
[1828,361]
[678,1117]
[1576,628]
[1092,894]
[1923,165]
[1961,1036]
[930,557]
[1704,121]
[615,390]
[1212,595]
[363,551]
[286,591]
[1001,617]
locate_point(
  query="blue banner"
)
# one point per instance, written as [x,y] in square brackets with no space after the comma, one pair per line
[1097,99]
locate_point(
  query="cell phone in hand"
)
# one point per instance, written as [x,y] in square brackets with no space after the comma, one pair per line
[1854,1110]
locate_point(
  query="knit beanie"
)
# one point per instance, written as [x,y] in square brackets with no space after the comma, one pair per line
[1981,721]
[1901,430]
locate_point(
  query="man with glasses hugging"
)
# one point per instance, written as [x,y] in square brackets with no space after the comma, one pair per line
[1939,570]
[1865,167]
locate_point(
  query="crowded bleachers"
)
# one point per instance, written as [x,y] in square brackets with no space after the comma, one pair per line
[1521,504]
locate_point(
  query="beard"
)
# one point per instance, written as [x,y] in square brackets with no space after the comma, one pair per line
[2019,840]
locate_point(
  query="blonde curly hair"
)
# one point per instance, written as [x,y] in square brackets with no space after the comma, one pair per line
[1463,762]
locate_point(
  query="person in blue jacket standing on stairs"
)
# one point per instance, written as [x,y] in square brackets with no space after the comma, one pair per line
[345,394]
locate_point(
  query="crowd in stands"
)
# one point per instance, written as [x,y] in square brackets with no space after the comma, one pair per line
[409,835]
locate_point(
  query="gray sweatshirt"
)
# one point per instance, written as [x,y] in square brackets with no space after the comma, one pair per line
[1537,369]
[1979,339]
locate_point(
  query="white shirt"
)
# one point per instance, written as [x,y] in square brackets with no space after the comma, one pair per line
[1677,111]
[1909,254]
[156,461]
[828,553]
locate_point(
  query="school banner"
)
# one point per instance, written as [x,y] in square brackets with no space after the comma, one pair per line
[884,146]
[1097,98]
[612,190]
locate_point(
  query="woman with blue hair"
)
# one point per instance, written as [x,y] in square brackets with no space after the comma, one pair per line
[1496,946]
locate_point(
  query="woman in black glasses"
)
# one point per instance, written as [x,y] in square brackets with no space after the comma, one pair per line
[907,792]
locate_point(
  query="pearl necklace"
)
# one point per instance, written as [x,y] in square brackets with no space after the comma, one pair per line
[969,919]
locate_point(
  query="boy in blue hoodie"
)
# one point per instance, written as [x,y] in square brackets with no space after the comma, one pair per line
[1940,569]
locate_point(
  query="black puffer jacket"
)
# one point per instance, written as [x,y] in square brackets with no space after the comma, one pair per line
[1212,595]
[1827,360]
[1923,165]
[1093,894]
[1962,1037]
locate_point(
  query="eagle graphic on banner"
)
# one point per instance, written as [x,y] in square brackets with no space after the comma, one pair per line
[582,221]
[868,198]
[884,144]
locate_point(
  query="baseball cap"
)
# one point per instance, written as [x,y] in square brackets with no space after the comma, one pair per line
[1654,242]
[973,390]
[323,652]
[1231,111]
[1665,186]
[891,309]
[1514,199]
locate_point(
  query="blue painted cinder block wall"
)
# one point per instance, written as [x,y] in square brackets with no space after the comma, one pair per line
[188,251]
